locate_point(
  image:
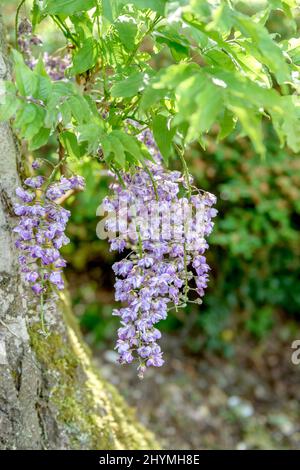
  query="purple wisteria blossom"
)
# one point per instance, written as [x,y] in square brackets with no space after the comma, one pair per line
[36,164]
[40,231]
[55,66]
[151,217]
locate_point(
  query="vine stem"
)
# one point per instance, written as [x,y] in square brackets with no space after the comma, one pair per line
[54,171]
[152,180]
[140,245]
[140,249]
[186,282]
[44,329]
[185,169]
[42,313]
[119,176]
[149,30]
[65,29]
[62,158]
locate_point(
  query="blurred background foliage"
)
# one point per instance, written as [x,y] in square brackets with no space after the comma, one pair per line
[254,252]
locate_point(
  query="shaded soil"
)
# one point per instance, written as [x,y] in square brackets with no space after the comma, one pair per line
[250,401]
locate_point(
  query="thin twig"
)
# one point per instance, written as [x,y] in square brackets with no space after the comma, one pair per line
[156,20]
[8,328]
[62,159]
[67,195]
[185,169]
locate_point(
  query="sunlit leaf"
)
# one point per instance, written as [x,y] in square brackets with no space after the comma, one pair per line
[68,7]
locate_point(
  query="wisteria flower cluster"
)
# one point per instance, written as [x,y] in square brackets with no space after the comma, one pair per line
[41,230]
[164,264]
[55,66]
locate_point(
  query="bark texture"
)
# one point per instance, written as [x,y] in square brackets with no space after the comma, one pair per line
[51,396]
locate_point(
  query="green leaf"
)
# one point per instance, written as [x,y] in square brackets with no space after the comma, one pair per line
[271,53]
[117,149]
[286,6]
[293,49]
[163,135]
[25,115]
[85,58]
[39,68]
[253,68]
[151,96]
[83,26]
[222,19]
[127,30]
[155,5]
[80,109]
[167,79]
[291,122]
[68,7]
[106,148]
[227,124]
[66,113]
[212,36]
[107,10]
[251,124]
[35,82]
[9,105]
[177,43]
[44,88]
[36,14]
[91,133]
[30,130]
[40,139]
[61,92]
[69,142]
[26,80]
[209,101]
[63,89]
[111,9]
[170,77]
[130,144]
[132,85]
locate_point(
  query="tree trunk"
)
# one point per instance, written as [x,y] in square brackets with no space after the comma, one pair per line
[51,396]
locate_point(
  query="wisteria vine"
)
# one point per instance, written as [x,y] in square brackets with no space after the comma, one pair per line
[157,215]
[41,230]
[161,269]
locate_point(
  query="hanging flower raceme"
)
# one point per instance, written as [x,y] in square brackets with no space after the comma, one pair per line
[41,230]
[55,66]
[164,221]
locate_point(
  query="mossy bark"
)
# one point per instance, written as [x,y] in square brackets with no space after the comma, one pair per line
[51,396]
